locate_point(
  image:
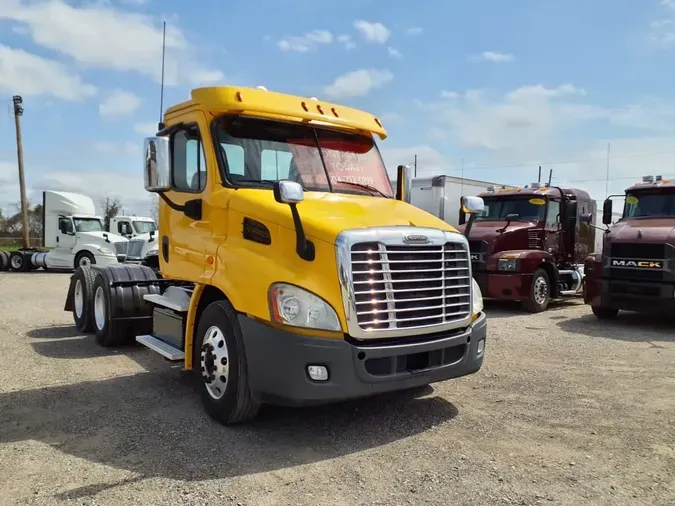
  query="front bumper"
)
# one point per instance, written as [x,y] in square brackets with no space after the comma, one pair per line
[503,285]
[278,360]
[630,295]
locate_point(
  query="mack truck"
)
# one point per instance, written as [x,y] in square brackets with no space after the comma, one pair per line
[530,243]
[636,269]
[289,272]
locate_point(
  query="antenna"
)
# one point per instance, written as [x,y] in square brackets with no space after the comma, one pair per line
[550,176]
[539,178]
[160,125]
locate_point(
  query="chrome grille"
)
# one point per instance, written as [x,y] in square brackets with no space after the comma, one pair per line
[410,286]
[135,248]
[121,248]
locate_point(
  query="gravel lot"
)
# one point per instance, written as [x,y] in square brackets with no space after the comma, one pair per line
[566,410]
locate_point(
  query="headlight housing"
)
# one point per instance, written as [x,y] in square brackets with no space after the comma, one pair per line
[476,298]
[105,251]
[291,305]
[508,264]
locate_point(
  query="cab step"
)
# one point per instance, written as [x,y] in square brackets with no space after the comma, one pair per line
[166,350]
[179,304]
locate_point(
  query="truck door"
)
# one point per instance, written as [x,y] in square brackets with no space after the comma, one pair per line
[124,229]
[183,239]
[65,237]
[552,228]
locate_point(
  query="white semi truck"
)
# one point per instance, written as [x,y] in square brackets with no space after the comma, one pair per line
[75,235]
[142,234]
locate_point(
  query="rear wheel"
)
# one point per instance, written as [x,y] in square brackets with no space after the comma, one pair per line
[604,313]
[19,262]
[4,260]
[540,292]
[220,365]
[83,296]
[118,311]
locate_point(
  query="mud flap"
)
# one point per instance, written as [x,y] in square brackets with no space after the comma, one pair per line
[69,297]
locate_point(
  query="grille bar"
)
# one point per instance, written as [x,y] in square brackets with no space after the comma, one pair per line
[411,286]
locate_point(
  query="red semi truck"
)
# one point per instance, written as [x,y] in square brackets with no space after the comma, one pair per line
[529,244]
[636,269]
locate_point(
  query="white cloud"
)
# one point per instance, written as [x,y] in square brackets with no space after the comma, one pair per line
[347,41]
[358,83]
[389,117]
[372,32]
[452,95]
[495,57]
[112,148]
[668,3]
[429,160]
[306,42]
[30,75]
[119,103]
[98,35]
[147,128]
[415,30]
[394,53]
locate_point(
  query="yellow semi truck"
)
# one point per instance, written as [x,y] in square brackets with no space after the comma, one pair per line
[288,271]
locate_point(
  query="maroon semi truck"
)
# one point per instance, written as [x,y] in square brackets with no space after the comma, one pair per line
[636,269]
[530,243]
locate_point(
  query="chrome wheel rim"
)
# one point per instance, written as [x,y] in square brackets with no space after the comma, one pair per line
[85,260]
[540,290]
[79,299]
[17,262]
[215,362]
[99,308]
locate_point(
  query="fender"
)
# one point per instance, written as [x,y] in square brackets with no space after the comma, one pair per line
[528,260]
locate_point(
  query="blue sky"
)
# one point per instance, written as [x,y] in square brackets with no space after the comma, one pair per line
[497,87]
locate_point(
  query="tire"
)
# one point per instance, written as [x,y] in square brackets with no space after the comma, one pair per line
[18,262]
[219,335]
[4,260]
[604,313]
[112,304]
[540,292]
[84,258]
[83,299]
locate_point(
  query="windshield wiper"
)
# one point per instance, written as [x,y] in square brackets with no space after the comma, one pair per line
[366,187]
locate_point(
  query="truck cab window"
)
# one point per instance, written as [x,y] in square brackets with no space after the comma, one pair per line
[65,225]
[188,171]
[552,214]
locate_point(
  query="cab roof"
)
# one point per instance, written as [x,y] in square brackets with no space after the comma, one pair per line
[259,102]
[652,184]
[553,191]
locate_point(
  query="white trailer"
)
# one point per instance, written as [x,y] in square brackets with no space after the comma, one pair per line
[441,195]
[76,234]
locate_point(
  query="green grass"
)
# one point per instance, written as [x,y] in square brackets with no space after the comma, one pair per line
[14,247]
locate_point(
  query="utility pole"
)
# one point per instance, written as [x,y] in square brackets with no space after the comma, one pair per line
[607,174]
[18,112]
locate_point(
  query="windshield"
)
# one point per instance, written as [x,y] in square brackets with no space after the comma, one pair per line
[645,205]
[144,227]
[258,152]
[88,225]
[528,209]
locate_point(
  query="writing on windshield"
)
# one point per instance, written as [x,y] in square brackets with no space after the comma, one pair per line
[645,205]
[527,209]
[260,151]
[88,225]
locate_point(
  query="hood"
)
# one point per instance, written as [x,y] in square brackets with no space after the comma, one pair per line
[100,235]
[145,237]
[325,215]
[487,230]
[659,230]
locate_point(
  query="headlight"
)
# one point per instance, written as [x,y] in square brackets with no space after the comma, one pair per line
[105,251]
[476,298]
[507,264]
[291,305]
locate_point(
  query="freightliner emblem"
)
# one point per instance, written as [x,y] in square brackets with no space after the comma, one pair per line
[416,238]
[638,264]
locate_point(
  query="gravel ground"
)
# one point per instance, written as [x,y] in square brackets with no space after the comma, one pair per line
[566,410]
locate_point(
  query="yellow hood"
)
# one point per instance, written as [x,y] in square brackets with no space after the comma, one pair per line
[325,215]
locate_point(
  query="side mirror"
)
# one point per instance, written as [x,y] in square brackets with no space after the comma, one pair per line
[607,212]
[586,218]
[157,167]
[403,183]
[288,192]
[472,205]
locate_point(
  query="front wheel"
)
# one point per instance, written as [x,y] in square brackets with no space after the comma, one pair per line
[219,365]
[604,313]
[540,292]
[84,259]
